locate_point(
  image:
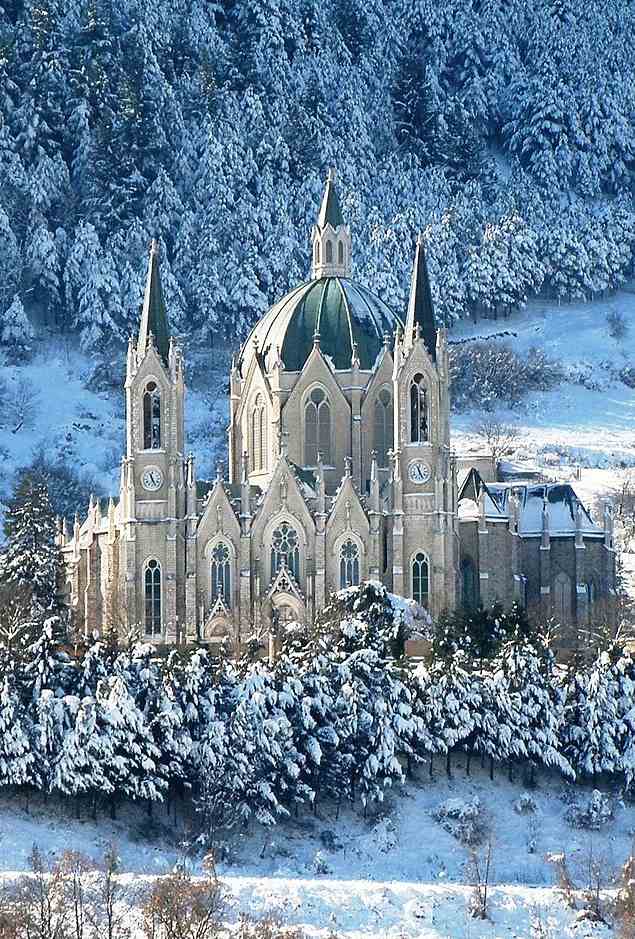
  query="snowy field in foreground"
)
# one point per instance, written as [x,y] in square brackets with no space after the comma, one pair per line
[399,875]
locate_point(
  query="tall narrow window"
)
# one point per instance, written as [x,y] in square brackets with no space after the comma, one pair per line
[470,584]
[383,430]
[317,429]
[285,548]
[151,417]
[329,252]
[259,435]
[420,579]
[562,599]
[317,252]
[340,253]
[418,410]
[349,564]
[152,584]
[220,574]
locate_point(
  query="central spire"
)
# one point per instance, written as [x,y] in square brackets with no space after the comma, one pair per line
[330,236]
[154,318]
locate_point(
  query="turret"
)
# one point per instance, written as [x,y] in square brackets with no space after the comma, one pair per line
[545,536]
[331,238]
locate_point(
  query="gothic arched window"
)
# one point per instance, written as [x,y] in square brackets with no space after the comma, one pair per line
[317,252]
[418,410]
[220,574]
[317,429]
[420,579]
[562,599]
[259,435]
[151,417]
[383,429]
[329,252]
[340,253]
[470,584]
[349,564]
[152,592]
[285,549]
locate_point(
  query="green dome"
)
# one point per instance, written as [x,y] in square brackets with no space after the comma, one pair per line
[337,308]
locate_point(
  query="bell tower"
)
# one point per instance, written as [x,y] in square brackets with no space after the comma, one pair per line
[153,486]
[425,533]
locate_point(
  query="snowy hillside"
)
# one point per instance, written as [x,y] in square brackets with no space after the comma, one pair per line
[588,421]
[400,874]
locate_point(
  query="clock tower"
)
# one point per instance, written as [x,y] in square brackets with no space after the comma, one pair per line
[154,488]
[424,519]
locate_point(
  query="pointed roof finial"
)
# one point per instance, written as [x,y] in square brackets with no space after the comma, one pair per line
[154,318]
[330,210]
[420,308]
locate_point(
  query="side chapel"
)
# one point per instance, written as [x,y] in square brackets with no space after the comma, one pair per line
[340,469]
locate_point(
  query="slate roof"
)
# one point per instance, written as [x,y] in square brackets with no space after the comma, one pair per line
[339,309]
[330,210]
[420,308]
[561,502]
[154,317]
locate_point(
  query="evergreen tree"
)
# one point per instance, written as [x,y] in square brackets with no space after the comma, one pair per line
[16,331]
[16,757]
[31,557]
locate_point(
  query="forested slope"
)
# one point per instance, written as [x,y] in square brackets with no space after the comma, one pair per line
[503,128]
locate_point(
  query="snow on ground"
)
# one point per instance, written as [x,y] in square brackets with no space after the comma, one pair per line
[594,428]
[399,874]
[68,422]
[571,426]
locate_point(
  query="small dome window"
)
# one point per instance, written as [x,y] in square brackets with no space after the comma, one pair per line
[329,252]
[340,253]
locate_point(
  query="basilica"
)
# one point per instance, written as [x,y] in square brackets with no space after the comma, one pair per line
[341,469]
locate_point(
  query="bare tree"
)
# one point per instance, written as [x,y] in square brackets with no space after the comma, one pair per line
[269,928]
[480,869]
[21,404]
[498,436]
[625,901]
[112,903]
[180,908]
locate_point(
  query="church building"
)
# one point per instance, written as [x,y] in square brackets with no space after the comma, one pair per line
[341,469]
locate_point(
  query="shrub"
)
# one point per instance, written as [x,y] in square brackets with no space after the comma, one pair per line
[463,819]
[617,325]
[593,815]
[627,376]
[488,374]
[525,804]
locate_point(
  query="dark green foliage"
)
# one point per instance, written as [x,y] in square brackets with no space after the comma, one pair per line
[31,557]
[211,125]
[479,634]
[364,617]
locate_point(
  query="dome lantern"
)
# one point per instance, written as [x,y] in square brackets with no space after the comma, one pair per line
[331,238]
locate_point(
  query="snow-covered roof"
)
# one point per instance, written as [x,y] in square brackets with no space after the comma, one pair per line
[559,500]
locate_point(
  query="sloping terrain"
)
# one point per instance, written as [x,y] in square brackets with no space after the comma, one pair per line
[397,874]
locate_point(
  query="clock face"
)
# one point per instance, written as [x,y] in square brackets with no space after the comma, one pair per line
[152,479]
[419,472]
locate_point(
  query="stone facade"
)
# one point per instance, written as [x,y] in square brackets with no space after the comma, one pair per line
[340,470]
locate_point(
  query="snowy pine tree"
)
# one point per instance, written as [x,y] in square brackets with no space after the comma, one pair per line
[31,557]
[16,738]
